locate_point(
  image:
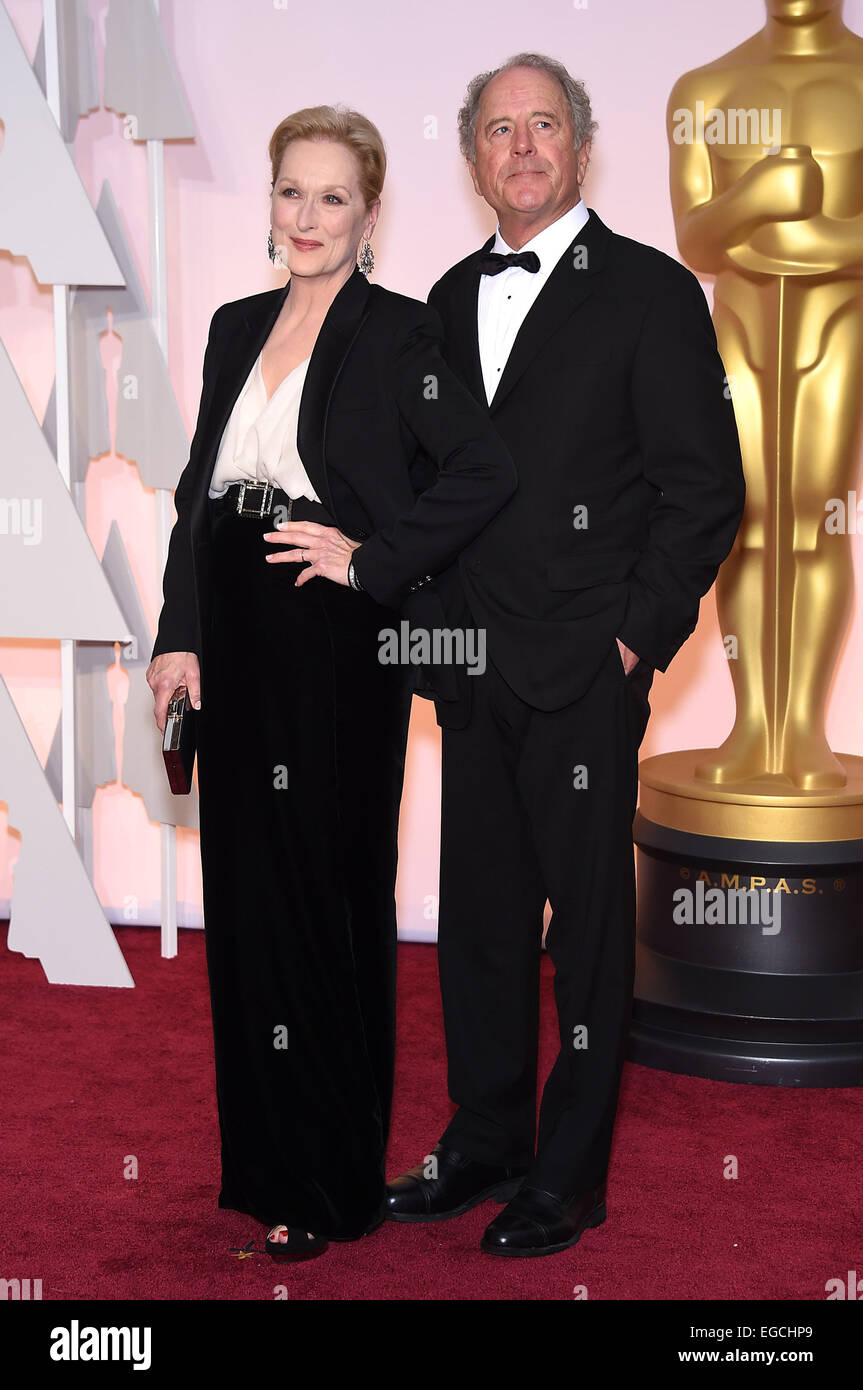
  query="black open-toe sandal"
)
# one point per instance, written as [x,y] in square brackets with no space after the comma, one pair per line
[300,1245]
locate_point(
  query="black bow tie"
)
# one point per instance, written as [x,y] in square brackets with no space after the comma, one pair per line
[494,263]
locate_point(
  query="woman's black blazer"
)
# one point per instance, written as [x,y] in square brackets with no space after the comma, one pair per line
[398,450]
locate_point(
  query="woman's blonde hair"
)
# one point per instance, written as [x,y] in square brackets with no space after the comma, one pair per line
[350,128]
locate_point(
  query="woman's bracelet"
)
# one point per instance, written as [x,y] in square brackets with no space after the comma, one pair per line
[353,580]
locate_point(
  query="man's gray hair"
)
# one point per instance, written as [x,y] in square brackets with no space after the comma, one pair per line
[577,99]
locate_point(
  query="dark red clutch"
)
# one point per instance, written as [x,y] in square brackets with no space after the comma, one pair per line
[180,741]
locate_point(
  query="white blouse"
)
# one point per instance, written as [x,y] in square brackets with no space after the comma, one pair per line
[260,439]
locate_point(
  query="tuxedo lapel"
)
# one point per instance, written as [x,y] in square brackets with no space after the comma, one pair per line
[566,288]
[463,342]
[345,317]
[248,337]
[255,327]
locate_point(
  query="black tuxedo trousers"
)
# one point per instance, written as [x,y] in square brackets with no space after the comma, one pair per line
[539,804]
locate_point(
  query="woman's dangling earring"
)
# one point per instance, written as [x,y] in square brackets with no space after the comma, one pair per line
[271,249]
[366,262]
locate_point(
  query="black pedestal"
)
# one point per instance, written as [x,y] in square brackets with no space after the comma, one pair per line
[778,1001]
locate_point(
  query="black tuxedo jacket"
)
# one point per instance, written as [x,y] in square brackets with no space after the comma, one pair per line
[614,401]
[397,449]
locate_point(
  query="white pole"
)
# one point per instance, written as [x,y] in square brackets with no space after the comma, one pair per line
[159,316]
[61,396]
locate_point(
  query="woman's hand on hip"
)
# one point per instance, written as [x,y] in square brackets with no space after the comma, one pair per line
[165,673]
[323,549]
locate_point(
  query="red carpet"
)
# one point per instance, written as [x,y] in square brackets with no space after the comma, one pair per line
[94,1076]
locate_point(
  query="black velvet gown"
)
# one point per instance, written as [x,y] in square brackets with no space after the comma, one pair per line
[302,735]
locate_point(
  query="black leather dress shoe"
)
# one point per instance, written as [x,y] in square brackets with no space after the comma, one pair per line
[461,1183]
[539,1223]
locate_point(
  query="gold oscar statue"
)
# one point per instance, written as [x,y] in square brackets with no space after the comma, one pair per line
[766,176]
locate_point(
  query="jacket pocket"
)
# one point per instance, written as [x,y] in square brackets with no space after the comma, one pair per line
[590,568]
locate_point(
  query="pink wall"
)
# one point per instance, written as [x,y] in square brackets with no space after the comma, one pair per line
[246,63]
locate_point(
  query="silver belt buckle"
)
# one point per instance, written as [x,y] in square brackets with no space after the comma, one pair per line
[266,499]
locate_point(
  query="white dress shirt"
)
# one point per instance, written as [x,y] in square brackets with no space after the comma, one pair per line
[260,439]
[505,299]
